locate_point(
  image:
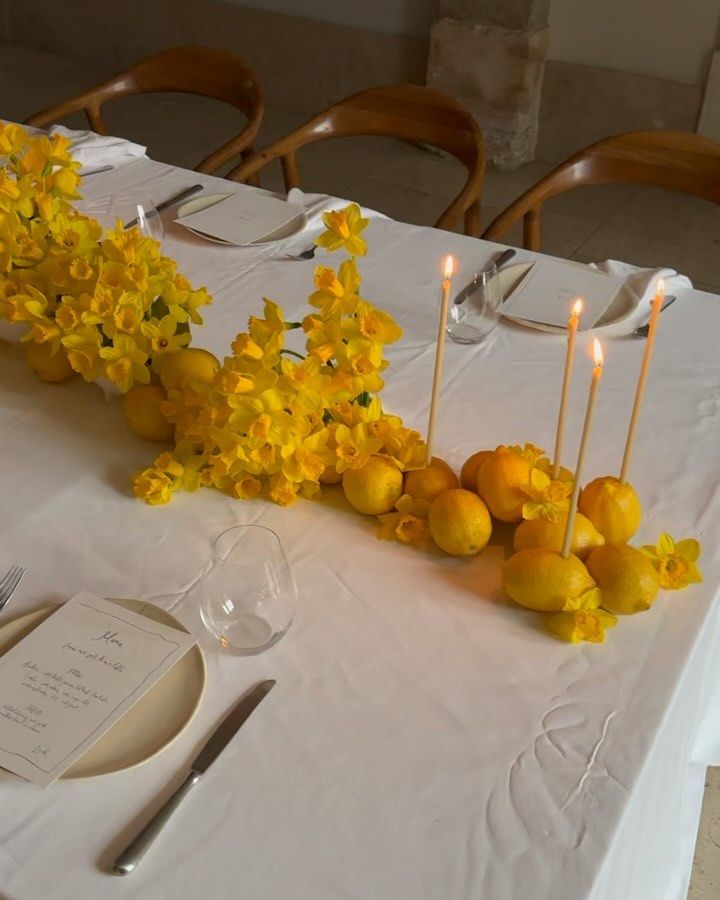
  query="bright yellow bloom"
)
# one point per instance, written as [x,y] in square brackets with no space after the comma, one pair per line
[548,499]
[534,455]
[373,324]
[13,139]
[244,345]
[408,523]
[125,362]
[405,447]
[353,446]
[153,486]
[82,348]
[344,227]
[245,486]
[323,337]
[675,561]
[580,625]
[282,490]
[163,335]
[336,294]
[308,459]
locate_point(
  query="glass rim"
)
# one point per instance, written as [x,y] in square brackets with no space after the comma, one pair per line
[254,526]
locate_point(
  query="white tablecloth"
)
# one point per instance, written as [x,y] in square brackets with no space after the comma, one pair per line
[425,738]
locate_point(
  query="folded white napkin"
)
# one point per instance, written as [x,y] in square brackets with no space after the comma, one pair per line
[92,150]
[643,283]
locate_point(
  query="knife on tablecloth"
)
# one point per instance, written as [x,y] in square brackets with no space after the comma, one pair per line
[134,852]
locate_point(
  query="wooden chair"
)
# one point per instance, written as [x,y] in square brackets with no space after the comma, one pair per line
[217,74]
[405,111]
[676,160]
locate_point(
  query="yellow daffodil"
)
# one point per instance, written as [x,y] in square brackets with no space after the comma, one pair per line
[353,447]
[308,459]
[534,455]
[344,227]
[125,362]
[675,561]
[163,335]
[153,486]
[82,348]
[245,486]
[13,139]
[580,625]
[548,499]
[282,490]
[373,324]
[336,294]
[407,523]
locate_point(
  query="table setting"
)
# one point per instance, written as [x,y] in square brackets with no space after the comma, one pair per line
[457,664]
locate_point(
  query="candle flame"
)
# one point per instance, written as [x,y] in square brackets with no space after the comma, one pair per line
[597,350]
[449,266]
[577,307]
[661,286]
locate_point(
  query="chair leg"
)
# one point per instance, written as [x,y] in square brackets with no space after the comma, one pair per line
[472,220]
[531,230]
[253,179]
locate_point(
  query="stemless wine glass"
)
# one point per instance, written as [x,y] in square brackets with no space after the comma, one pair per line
[133,210]
[248,598]
[471,320]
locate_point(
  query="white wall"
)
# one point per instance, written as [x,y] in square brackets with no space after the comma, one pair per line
[411,17]
[666,38]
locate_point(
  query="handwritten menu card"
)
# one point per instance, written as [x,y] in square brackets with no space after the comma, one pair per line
[548,290]
[65,684]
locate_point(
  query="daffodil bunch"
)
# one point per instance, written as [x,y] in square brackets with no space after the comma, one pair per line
[111,303]
[279,421]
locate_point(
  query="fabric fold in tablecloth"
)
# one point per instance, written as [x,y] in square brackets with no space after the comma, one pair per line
[93,150]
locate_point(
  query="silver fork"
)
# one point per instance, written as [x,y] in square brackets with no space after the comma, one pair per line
[9,583]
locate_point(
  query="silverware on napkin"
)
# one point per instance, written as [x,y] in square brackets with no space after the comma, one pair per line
[223,734]
[644,330]
[499,260]
[171,201]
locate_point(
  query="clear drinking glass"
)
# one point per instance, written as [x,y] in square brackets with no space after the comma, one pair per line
[137,209]
[471,320]
[248,598]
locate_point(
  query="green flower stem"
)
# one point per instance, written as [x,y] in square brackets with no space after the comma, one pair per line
[293,353]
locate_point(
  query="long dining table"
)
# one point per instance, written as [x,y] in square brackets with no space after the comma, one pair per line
[426,738]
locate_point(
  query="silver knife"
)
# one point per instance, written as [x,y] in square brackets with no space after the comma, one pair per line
[171,201]
[499,260]
[136,849]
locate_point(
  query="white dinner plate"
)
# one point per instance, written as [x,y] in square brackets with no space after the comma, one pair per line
[154,721]
[205,201]
[622,306]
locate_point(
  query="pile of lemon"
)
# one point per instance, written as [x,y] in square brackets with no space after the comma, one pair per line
[602,568]
[142,405]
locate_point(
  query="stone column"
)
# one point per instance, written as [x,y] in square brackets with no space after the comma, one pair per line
[490,54]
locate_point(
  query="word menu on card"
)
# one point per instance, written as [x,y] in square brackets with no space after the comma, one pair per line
[65,684]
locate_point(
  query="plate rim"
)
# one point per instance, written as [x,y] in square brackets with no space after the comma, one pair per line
[185,209]
[561,329]
[48,609]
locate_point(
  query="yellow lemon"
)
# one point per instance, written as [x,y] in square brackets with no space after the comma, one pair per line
[331,476]
[626,578]
[430,482]
[613,508]
[543,533]
[178,369]
[499,483]
[48,366]
[141,406]
[459,522]
[469,471]
[544,580]
[374,488]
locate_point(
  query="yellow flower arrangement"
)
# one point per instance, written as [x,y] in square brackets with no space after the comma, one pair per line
[277,421]
[111,303]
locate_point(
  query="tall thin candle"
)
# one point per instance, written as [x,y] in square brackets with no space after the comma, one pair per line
[572,328]
[439,354]
[594,385]
[642,378]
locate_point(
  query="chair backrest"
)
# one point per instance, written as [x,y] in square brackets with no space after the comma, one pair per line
[205,71]
[405,111]
[675,160]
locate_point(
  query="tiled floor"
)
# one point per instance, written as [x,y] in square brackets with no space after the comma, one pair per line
[640,225]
